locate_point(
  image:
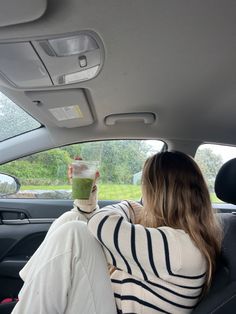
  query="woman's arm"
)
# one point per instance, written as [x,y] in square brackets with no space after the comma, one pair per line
[128,246]
[146,253]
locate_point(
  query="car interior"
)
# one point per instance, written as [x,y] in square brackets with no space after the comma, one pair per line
[77,71]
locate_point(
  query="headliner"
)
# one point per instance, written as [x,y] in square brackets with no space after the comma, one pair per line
[173,58]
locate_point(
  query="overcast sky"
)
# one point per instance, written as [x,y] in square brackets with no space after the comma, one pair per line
[226,152]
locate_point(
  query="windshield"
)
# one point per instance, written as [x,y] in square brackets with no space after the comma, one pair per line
[14,120]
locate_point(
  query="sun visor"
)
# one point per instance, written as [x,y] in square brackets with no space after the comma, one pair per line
[15,12]
[21,66]
[65,108]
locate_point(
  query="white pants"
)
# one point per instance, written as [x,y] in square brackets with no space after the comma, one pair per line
[68,274]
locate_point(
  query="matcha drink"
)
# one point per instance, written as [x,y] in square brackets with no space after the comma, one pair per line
[81,188]
[83,176]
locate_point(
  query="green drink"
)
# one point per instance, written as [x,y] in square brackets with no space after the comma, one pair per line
[81,188]
[83,178]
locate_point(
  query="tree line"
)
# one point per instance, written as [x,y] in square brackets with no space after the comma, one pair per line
[118,161]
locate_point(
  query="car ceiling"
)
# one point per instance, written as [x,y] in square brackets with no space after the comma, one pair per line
[175,59]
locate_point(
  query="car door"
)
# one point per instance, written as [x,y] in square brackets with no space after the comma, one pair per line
[23,226]
[46,194]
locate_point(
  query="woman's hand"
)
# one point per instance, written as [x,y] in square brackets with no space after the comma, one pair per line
[97,175]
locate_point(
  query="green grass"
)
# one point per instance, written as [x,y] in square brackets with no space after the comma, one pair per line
[214,198]
[119,192]
[107,191]
[45,187]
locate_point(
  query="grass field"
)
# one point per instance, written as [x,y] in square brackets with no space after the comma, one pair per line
[214,198]
[107,191]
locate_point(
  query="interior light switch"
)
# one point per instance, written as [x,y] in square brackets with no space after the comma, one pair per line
[82,61]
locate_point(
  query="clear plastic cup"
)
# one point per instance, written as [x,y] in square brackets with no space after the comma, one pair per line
[83,177]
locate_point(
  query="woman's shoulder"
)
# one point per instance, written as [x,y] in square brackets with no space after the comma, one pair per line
[191,259]
[178,238]
[173,234]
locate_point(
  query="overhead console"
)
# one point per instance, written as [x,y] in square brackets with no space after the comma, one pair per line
[51,61]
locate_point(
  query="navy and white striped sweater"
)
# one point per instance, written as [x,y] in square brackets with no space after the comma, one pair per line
[159,270]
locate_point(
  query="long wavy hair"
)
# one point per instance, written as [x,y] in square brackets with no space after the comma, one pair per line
[175,194]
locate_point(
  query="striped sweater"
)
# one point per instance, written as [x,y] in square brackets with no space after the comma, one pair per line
[158,270]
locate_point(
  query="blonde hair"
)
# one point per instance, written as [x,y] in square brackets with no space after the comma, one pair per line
[175,194]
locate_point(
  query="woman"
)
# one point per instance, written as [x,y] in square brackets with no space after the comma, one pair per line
[163,254]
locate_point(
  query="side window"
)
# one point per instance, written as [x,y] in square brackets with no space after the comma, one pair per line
[210,158]
[44,175]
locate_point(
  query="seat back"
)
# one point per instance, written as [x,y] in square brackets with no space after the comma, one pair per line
[221,298]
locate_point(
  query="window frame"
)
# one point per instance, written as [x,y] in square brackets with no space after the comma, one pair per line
[163,148]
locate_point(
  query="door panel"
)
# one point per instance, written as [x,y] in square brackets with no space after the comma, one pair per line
[23,226]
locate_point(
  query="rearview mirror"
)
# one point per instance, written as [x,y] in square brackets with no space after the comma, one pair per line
[8,185]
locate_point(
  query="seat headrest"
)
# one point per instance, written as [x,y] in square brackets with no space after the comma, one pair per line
[225,183]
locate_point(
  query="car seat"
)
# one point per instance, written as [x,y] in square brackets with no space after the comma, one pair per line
[221,298]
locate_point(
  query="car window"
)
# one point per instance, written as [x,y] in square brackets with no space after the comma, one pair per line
[210,158]
[13,119]
[44,175]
